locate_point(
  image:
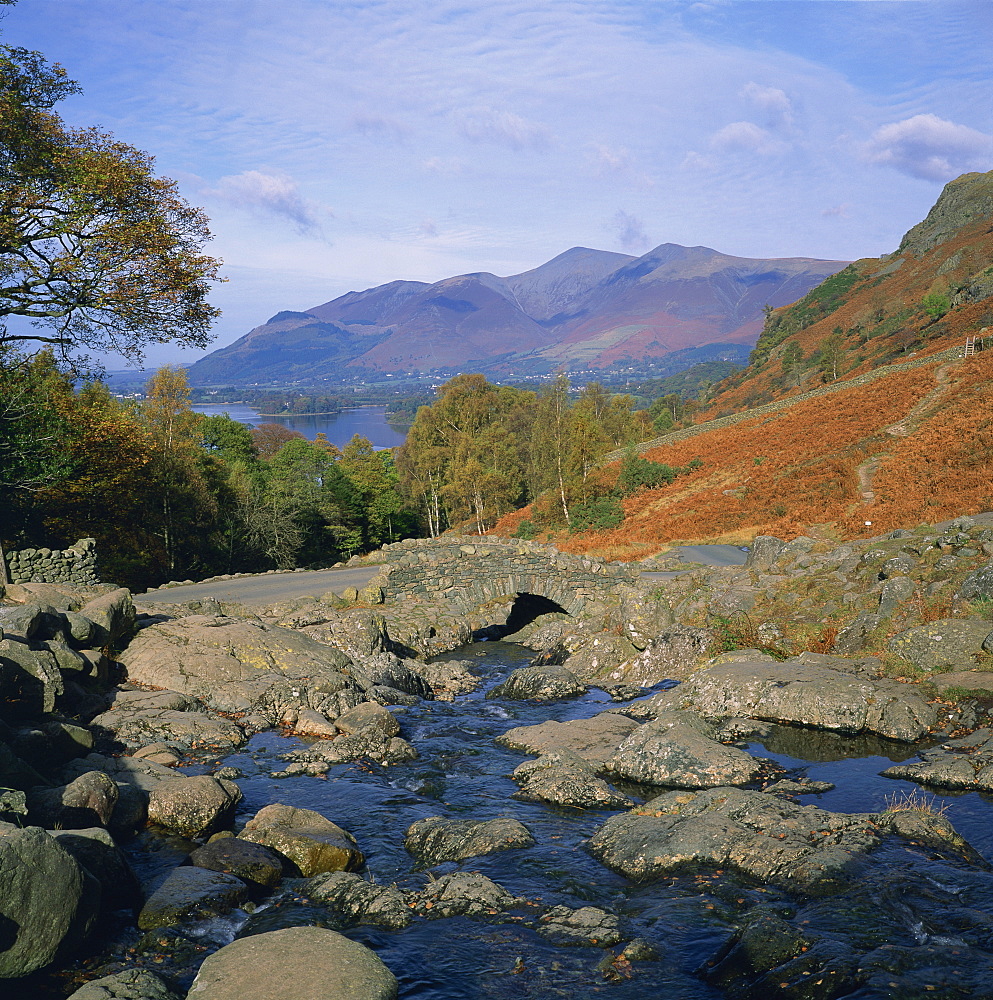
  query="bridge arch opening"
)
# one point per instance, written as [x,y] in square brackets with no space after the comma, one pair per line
[525,609]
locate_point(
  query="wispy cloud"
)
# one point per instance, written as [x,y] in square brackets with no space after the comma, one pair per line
[930,147]
[629,231]
[483,124]
[746,137]
[271,195]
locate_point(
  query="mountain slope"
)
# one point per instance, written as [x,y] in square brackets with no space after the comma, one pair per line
[858,414]
[584,308]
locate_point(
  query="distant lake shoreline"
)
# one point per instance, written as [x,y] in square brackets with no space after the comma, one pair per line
[339,427]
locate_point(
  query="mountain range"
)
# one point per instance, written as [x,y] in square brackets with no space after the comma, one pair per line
[584,309]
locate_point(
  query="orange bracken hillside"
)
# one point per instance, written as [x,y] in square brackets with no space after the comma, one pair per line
[912,445]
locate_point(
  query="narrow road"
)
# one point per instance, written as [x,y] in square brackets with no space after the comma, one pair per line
[265,588]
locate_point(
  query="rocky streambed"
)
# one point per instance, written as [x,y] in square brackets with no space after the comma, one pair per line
[287,804]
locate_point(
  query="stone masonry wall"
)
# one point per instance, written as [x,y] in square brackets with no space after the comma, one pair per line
[471,571]
[76,565]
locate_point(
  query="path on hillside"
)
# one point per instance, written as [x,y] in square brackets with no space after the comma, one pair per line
[907,424]
[952,356]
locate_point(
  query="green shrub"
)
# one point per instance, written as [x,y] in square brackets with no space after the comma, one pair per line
[600,514]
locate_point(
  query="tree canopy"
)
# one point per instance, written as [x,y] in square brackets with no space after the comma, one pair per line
[96,252]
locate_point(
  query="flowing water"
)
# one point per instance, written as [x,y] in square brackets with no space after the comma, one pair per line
[907,902]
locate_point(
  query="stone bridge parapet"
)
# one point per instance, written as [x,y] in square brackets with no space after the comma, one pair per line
[471,571]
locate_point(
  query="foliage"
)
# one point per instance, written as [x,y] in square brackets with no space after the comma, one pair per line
[599,514]
[479,450]
[95,250]
[818,303]
[936,304]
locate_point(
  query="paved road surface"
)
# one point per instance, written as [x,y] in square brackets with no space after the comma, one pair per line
[267,588]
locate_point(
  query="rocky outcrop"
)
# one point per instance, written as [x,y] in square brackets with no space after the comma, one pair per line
[801,848]
[946,644]
[807,691]
[239,666]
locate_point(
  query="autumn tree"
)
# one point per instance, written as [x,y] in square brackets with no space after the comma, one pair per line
[96,252]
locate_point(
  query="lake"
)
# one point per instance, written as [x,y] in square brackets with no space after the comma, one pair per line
[339,428]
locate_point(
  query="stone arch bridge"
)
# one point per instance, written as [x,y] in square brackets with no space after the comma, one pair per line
[473,571]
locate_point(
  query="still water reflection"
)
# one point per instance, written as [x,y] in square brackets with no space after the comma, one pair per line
[339,428]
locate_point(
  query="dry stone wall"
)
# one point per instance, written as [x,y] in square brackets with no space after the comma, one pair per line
[471,571]
[76,565]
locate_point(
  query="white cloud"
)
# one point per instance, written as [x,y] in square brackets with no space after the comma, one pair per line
[746,137]
[773,101]
[450,166]
[629,232]
[930,147]
[484,124]
[271,194]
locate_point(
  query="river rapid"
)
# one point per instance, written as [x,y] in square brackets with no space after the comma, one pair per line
[899,901]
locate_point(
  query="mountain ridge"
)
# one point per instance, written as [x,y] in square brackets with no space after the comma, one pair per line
[584,308]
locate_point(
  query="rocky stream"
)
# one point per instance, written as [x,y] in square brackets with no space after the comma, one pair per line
[327,799]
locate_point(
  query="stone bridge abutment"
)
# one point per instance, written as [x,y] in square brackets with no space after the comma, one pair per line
[472,572]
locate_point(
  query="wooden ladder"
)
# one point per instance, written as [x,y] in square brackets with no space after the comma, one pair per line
[970,346]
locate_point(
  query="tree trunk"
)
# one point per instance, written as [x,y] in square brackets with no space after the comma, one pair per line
[4,575]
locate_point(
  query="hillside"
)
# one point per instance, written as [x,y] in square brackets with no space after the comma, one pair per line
[858,413]
[582,309]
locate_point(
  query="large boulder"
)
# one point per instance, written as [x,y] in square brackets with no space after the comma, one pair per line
[113,615]
[566,779]
[357,901]
[803,692]
[947,643]
[593,739]
[297,963]
[193,807]
[45,904]
[539,683]
[466,894]
[978,585]
[437,839]
[87,801]
[30,679]
[677,750]
[236,666]
[799,848]
[311,841]
[672,655]
[258,866]
[191,893]
[132,984]
[96,851]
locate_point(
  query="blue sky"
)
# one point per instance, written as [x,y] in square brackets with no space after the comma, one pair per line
[340,144]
